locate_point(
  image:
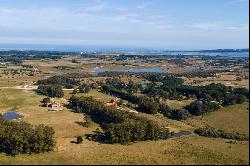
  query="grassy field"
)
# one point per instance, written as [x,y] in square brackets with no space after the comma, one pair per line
[176,151]
[94,93]
[178,104]
[233,118]
[186,150]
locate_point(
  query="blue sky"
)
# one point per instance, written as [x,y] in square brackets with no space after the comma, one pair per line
[168,24]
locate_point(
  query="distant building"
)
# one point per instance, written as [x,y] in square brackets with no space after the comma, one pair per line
[112,103]
[54,106]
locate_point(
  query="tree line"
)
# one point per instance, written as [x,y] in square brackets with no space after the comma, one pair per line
[211,132]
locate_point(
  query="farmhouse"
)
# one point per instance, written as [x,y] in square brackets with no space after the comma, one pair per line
[54,106]
[112,103]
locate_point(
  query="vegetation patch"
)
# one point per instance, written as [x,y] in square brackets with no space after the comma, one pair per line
[50,90]
[119,127]
[211,132]
[20,137]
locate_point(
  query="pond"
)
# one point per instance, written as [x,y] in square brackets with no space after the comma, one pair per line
[132,70]
[180,134]
[12,116]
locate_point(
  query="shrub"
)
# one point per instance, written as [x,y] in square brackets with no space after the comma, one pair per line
[79,139]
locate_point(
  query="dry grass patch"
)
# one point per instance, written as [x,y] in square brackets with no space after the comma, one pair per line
[233,118]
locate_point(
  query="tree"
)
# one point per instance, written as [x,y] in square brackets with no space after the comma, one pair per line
[84,88]
[46,101]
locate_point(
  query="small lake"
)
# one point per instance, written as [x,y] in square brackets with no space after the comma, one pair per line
[12,116]
[132,70]
[180,134]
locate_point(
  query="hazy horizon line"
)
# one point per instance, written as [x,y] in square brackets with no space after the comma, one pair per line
[31,46]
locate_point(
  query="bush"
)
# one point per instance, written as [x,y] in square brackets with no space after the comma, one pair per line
[79,139]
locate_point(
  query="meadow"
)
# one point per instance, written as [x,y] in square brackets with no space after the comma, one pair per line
[190,149]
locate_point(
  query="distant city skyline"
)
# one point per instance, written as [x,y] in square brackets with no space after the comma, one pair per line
[154,24]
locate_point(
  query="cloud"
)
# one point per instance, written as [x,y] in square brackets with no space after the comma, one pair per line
[164,26]
[243,27]
[217,26]
[96,6]
[203,25]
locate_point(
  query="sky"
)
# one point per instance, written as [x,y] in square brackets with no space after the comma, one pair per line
[166,24]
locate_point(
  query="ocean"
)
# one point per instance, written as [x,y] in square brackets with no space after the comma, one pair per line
[109,49]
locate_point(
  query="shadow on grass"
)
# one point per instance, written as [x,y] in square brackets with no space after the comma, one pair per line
[73,142]
[97,136]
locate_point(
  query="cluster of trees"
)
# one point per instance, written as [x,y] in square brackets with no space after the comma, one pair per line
[19,137]
[50,90]
[202,106]
[65,81]
[153,106]
[119,127]
[225,95]
[176,114]
[211,132]
[163,85]
[84,88]
[120,93]
[162,91]
[148,104]
[130,87]
[209,98]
